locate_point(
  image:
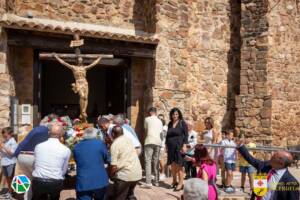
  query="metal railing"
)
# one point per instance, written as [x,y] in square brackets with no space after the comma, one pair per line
[258,148]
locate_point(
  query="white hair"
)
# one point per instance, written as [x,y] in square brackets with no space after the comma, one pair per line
[119,120]
[195,189]
[90,133]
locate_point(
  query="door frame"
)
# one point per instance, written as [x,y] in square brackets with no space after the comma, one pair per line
[37,85]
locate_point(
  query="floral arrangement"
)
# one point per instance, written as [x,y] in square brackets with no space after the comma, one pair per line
[74,135]
[64,120]
[79,127]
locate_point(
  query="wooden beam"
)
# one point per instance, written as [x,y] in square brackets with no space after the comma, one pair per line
[45,56]
[61,44]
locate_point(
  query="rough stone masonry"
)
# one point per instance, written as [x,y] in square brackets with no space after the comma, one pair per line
[234,60]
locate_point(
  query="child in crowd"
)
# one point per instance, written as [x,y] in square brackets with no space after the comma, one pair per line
[245,167]
[190,169]
[8,163]
[162,154]
[229,158]
[221,163]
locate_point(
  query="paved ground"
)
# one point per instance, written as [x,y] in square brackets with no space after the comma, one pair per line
[161,193]
[155,193]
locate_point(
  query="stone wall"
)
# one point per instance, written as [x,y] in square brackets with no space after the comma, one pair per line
[2,7]
[120,13]
[21,69]
[5,82]
[284,71]
[236,61]
[195,66]
[269,85]
[253,113]
[140,92]
[191,64]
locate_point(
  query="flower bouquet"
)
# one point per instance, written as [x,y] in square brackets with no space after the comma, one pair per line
[75,134]
[79,127]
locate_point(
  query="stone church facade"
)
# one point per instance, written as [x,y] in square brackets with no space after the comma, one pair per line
[234,60]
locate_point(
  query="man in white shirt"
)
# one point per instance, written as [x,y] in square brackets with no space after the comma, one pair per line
[50,165]
[153,127]
[107,127]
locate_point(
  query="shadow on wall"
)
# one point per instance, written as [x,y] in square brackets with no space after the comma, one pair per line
[144,20]
[142,81]
[234,64]
[144,16]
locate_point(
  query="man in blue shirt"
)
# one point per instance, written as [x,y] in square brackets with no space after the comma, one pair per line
[25,151]
[91,156]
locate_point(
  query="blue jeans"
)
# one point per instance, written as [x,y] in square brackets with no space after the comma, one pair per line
[229,166]
[247,169]
[97,194]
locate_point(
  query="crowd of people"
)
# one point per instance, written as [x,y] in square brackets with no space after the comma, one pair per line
[108,158]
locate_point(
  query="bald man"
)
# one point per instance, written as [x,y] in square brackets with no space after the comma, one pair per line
[281,183]
[50,165]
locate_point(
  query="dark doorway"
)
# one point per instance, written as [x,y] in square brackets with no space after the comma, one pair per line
[108,89]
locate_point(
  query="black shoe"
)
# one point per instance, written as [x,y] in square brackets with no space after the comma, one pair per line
[220,186]
[178,189]
[243,189]
[174,185]
[4,191]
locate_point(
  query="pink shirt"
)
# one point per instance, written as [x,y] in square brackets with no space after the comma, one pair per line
[211,171]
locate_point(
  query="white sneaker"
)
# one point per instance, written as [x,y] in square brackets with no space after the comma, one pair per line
[7,196]
[146,185]
[229,190]
[162,177]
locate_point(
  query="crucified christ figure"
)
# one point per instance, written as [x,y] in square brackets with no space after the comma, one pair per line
[81,85]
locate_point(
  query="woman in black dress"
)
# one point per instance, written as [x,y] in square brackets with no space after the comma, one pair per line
[176,140]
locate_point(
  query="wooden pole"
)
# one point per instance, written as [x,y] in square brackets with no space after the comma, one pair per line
[46,56]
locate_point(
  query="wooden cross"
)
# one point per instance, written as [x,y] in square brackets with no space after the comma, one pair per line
[79,70]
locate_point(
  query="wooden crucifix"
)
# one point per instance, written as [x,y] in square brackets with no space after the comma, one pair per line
[79,71]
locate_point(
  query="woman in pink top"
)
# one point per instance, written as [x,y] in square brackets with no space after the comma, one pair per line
[207,170]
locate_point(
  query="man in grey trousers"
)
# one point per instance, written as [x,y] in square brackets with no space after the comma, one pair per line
[154,128]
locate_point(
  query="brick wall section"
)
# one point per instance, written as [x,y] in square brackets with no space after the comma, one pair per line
[284,72]
[21,69]
[253,113]
[140,92]
[5,84]
[2,7]
[171,61]
[120,13]
[191,64]
[200,65]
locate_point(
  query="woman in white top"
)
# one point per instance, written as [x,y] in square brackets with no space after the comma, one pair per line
[211,136]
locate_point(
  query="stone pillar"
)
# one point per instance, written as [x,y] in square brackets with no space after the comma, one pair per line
[2,7]
[4,81]
[253,115]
